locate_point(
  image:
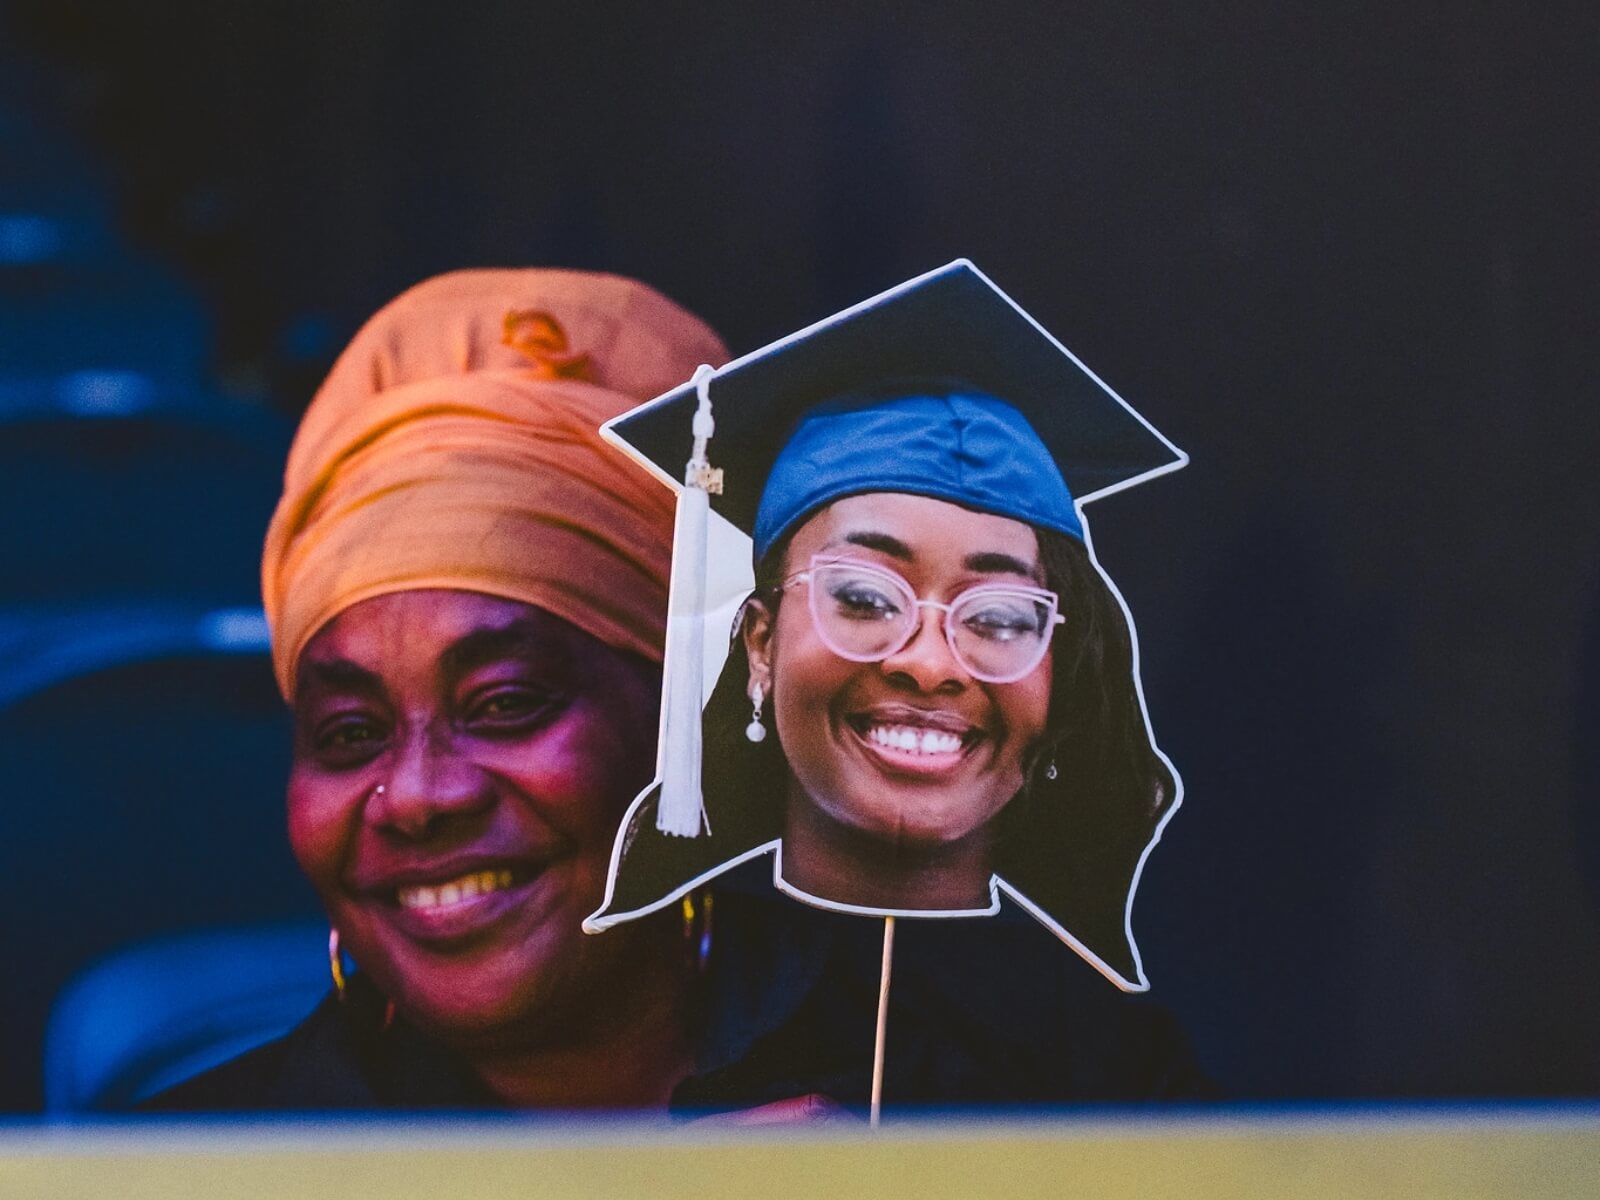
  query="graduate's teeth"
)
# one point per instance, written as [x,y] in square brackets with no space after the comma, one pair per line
[918,741]
[468,887]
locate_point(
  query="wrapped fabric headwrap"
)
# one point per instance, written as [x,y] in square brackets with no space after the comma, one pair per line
[455,445]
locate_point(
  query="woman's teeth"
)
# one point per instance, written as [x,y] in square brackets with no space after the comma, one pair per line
[918,741]
[468,887]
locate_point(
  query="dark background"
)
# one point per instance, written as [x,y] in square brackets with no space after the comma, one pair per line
[1342,254]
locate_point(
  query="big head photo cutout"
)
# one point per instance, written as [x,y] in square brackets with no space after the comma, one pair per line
[930,696]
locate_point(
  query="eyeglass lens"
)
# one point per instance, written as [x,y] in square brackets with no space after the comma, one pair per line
[866,614]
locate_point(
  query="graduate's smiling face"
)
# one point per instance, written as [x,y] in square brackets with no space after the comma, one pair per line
[461,764]
[911,750]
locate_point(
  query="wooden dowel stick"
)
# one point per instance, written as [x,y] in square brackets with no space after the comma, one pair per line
[883,1022]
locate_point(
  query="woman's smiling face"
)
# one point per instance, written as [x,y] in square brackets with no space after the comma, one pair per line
[461,764]
[870,744]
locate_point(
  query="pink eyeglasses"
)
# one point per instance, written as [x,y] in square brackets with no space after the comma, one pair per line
[865,613]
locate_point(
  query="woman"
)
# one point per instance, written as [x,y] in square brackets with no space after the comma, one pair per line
[467,594]
[950,679]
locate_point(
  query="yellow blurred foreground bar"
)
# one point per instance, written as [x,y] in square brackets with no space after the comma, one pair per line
[1530,1153]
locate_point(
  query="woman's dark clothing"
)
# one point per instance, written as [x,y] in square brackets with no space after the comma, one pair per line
[340,1057]
[983,1011]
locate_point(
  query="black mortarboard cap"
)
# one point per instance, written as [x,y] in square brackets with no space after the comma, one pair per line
[951,326]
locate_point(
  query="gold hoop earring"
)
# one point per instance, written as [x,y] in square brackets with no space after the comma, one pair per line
[336,964]
[697,926]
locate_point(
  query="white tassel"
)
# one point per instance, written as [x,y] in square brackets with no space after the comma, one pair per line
[681,809]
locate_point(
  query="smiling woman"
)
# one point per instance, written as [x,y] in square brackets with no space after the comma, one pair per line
[461,763]
[901,756]
[467,595]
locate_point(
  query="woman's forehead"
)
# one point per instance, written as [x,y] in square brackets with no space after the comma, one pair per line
[915,529]
[432,627]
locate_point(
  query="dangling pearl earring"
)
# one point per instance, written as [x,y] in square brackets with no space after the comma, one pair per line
[756,731]
[1050,771]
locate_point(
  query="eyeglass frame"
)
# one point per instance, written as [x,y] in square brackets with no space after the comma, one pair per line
[1053,618]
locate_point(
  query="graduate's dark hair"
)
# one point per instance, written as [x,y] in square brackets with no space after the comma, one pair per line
[1069,843]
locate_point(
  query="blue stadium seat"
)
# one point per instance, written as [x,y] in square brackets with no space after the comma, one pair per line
[119,485]
[109,313]
[47,175]
[143,746]
[143,757]
[72,294]
[154,1014]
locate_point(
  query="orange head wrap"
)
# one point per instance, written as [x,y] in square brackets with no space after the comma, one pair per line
[455,445]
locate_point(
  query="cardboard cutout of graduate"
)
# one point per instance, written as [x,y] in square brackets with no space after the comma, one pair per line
[931,694]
